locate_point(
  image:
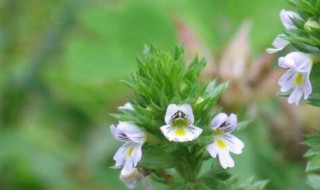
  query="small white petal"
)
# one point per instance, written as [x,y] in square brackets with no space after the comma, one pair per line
[137,154]
[218,120]
[295,96]
[132,178]
[286,80]
[225,159]
[307,88]
[129,154]
[130,131]
[212,149]
[180,134]
[230,124]
[186,109]
[115,132]
[120,157]
[171,109]
[235,145]
[127,106]
[127,168]
[278,44]
[286,19]
[298,61]
[167,131]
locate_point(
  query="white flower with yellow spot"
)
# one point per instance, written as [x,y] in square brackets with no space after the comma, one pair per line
[179,124]
[296,79]
[130,153]
[224,142]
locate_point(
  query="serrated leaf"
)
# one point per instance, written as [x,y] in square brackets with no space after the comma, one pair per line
[215,90]
[155,158]
[314,98]
[249,184]
[293,2]
[313,181]
[307,6]
[313,164]
[313,153]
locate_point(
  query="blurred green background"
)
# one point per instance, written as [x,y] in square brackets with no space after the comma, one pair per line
[61,66]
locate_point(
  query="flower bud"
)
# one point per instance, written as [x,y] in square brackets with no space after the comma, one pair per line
[311,25]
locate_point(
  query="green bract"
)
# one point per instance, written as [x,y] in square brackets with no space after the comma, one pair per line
[313,155]
[161,80]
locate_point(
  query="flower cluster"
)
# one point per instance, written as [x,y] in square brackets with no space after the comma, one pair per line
[179,127]
[170,127]
[296,80]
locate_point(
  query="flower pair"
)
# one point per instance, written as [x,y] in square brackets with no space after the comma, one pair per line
[179,127]
[296,79]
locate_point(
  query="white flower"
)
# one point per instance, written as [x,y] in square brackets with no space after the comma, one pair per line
[127,106]
[278,44]
[224,142]
[130,153]
[286,19]
[179,120]
[297,77]
[132,178]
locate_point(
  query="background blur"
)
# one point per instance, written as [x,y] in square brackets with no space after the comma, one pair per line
[61,66]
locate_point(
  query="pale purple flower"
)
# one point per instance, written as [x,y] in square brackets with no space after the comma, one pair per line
[224,143]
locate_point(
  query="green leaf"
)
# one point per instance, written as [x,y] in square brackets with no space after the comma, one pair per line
[313,153]
[249,184]
[314,98]
[313,181]
[154,157]
[313,164]
[308,7]
[215,90]
[293,2]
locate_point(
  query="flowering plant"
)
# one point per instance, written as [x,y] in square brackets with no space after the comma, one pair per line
[302,30]
[172,128]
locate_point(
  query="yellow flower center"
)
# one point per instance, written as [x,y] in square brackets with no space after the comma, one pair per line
[299,79]
[221,144]
[146,138]
[218,132]
[180,132]
[129,152]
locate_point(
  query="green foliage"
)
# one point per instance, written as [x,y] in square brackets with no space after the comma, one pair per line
[158,157]
[249,184]
[78,81]
[313,180]
[314,99]
[163,79]
[305,37]
[313,154]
